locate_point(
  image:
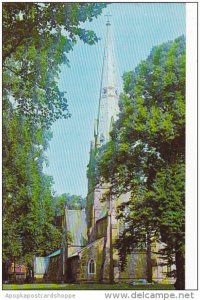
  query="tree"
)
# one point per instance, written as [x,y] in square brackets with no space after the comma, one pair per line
[68,201]
[28,213]
[36,40]
[146,153]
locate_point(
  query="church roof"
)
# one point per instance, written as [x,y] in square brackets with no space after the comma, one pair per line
[108,101]
[86,247]
[41,263]
[77,226]
[57,252]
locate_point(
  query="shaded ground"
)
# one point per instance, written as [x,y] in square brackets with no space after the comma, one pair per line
[54,286]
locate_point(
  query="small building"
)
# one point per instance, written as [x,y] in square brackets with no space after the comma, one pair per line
[43,267]
[56,266]
[17,273]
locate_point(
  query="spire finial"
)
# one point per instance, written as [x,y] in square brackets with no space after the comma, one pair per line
[108,21]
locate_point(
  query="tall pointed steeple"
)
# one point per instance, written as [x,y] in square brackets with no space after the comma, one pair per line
[108,100]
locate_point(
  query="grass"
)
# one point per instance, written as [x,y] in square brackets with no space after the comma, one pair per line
[95,286]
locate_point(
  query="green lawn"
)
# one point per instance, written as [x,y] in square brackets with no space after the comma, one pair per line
[54,286]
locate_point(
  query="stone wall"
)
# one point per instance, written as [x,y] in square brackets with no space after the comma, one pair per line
[73,269]
[55,269]
[78,265]
[76,269]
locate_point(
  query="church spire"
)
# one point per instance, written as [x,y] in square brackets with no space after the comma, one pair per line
[108,100]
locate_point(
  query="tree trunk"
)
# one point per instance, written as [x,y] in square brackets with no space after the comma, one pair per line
[30,273]
[5,271]
[180,270]
[14,275]
[149,264]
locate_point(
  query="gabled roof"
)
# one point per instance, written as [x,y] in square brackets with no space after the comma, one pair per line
[57,252]
[76,225]
[86,247]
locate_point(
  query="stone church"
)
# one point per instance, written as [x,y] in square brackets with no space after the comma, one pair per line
[90,255]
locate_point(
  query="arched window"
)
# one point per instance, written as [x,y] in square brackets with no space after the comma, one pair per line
[91,267]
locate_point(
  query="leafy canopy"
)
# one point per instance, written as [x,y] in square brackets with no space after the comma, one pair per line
[36,40]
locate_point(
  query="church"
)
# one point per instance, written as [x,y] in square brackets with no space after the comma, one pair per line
[90,254]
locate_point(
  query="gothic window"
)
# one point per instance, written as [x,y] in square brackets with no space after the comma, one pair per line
[91,267]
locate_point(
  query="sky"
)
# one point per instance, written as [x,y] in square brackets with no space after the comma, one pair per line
[136,28]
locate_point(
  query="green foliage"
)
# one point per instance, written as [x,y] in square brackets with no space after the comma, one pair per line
[36,40]
[146,154]
[68,201]
[28,214]
[169,196]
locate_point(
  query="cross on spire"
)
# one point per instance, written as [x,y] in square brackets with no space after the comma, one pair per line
[108,21]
